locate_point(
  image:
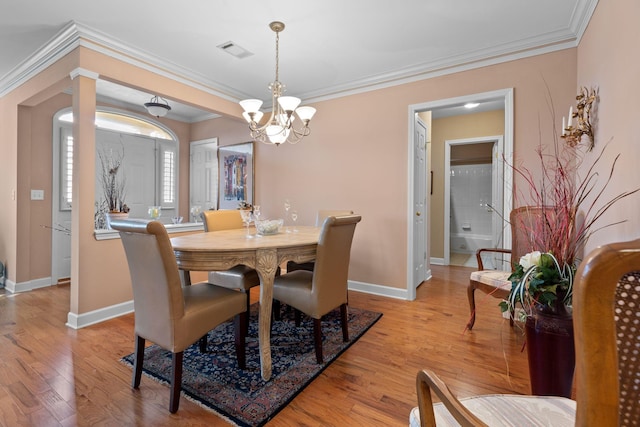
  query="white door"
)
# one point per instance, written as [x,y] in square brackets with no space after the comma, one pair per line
[420,203]
[61,205]
[203,174]
[138,163]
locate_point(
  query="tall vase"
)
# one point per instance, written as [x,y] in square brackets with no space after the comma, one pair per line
[551,352]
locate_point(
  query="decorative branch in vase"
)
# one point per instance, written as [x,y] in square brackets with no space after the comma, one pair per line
[113,183]
[572,203]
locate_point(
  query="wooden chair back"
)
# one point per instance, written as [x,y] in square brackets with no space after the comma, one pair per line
[606,316]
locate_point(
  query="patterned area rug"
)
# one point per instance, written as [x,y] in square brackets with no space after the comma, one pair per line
[214,381]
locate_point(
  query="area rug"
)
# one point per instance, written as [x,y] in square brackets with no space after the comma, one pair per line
[214,381]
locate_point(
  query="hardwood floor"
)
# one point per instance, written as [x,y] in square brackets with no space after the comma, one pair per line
[51,375]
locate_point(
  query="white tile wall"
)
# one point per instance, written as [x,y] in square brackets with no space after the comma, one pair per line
[470,194]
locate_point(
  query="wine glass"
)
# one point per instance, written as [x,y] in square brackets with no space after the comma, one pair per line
[287,206]
[256,212]
[246,220]
[294,218]
[195,213]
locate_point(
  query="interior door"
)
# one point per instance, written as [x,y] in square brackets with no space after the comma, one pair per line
[139,161]
[203,174]
[420,203]
[61,206]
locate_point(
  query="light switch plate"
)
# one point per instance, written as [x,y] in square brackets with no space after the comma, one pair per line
[37,194]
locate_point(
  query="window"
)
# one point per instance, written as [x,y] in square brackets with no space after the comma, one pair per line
[168,175]
[66,168]
[136,134]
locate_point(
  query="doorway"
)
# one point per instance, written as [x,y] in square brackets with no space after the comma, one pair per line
[473,194]
[505,98]
[152,168]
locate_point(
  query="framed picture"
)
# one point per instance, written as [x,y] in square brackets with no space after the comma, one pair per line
[236,175]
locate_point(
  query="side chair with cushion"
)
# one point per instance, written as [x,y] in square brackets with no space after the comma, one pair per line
[606,319]
[320,217]
[172,316]
[317,292]
[239,277]
[496,282]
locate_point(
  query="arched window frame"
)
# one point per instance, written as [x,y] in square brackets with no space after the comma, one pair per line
[168,158]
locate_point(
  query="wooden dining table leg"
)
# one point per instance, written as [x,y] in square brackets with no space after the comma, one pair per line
[266,266]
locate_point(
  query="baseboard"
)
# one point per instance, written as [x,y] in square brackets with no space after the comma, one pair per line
[77,321]
[30,285]
[437,261]
[385,291]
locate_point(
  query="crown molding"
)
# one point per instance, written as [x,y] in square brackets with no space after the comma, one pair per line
[521,49]
[75,34]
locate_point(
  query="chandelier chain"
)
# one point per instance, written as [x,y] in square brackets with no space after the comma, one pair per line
[277,56]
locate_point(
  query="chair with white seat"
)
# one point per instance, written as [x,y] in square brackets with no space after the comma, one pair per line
[318,292]
[523,221]
[172,316]
[606,319]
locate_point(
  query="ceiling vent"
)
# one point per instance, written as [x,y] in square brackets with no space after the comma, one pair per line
[233,49]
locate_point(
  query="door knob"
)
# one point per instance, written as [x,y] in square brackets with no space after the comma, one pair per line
[418,214]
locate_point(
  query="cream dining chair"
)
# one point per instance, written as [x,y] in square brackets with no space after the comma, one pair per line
[240,277]
[317,292]
[172,316]
[320,217]
[606,319]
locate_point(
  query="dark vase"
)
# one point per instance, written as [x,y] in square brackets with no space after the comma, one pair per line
[551,351]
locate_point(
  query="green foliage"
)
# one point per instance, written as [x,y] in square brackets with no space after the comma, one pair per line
[539,279]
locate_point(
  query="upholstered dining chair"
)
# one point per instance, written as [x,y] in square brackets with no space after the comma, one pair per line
[317,292]
[172,316]
[496,282]
[240,277]
[320,217]
[606,319]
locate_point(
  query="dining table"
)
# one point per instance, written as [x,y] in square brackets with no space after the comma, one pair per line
[221,250]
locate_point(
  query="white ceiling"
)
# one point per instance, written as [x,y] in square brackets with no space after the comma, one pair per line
[329,47]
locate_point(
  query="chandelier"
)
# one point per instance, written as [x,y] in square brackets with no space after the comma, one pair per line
[279,128]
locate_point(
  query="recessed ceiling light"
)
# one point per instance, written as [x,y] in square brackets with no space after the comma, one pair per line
[471,105]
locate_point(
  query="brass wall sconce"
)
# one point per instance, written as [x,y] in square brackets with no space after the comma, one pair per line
[573,134]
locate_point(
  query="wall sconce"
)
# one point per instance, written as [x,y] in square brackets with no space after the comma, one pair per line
[156,107]
[573,135]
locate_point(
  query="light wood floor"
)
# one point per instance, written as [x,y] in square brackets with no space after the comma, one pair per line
[51,375]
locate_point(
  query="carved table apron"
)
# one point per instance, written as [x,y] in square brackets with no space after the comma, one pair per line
[221,250]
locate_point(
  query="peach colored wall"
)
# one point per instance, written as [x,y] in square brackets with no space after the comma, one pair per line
[36,140]
[355,158]
[40,169]
[488,123]
[607,58]
[100,279]
[15,170]
[228,130]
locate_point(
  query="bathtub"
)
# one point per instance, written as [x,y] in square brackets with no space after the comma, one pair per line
[469,243]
